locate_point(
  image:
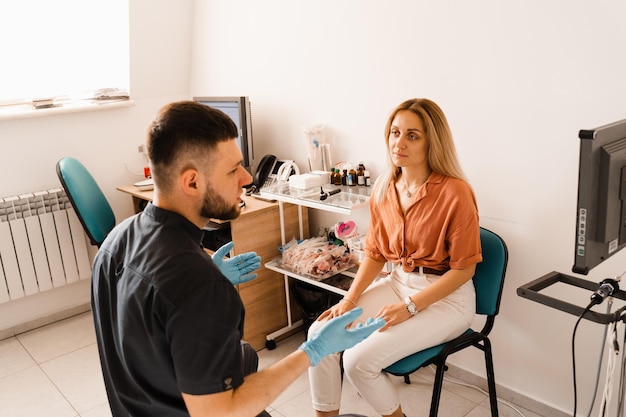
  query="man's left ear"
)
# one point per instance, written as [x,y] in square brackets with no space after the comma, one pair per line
[191,181]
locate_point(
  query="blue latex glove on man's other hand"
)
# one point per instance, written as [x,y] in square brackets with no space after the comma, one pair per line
[334,337]
[238,268]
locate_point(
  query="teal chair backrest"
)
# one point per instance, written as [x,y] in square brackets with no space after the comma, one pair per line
[489,276]
[90,204]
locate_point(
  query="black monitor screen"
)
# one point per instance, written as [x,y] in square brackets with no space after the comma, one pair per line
[238,109]
[601,211]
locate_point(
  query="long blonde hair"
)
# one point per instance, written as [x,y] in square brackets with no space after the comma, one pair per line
[442,156]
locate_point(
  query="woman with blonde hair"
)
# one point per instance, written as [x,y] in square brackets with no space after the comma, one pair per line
[424,220]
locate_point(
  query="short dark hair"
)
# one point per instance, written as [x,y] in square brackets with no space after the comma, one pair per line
[183,135]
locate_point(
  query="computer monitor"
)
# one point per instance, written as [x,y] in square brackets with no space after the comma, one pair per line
[601,210]
[238,108]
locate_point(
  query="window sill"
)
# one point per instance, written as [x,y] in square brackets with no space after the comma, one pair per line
[26,110]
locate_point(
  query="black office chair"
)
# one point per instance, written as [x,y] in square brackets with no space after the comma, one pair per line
[488,282]
[90,204]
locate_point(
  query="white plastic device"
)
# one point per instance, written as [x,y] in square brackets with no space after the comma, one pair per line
[287,169]
[145,185]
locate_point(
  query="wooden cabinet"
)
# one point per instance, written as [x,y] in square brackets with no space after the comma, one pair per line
[265,297]
[258,229]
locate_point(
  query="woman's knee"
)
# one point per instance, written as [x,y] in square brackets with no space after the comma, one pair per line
[357,365]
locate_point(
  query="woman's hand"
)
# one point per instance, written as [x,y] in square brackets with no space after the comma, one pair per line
[393,314]
[337,310]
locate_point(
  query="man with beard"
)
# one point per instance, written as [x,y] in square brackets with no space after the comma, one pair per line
[168,319]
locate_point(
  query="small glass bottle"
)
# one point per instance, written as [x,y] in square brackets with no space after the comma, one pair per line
[344,177]
[337,177]
[368,180]
[352,180]
[360,174]
[331,176]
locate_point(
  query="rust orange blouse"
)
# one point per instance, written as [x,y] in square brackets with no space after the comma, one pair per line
[439,230]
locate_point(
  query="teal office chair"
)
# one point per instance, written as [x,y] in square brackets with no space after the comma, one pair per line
[488,282]
[90,204]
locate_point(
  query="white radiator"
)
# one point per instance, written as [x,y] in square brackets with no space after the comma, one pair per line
[42,244]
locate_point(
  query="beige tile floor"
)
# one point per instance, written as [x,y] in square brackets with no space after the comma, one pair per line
[54,371]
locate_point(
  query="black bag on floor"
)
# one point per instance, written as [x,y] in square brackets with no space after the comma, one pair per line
[312,300]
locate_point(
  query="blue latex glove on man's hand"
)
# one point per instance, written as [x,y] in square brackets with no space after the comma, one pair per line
[334,337]
[238,268]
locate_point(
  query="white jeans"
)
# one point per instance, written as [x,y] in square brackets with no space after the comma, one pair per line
[363,364]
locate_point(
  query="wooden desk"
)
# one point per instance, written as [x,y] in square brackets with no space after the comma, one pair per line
[256,229]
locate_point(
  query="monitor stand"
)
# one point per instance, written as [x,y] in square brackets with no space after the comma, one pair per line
[532,292]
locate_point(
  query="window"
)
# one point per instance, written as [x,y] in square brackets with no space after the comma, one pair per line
[62,48]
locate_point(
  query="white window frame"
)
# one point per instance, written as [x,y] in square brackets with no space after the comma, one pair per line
[63,56]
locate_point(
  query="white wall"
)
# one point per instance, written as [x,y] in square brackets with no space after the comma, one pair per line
[105,141]
[517,81]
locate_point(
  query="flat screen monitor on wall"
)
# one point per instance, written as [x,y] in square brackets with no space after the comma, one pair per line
[601,210]
[238,108]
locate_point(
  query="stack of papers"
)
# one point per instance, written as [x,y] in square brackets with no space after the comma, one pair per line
[145,185]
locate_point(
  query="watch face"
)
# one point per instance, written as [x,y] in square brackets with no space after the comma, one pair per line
[410,306]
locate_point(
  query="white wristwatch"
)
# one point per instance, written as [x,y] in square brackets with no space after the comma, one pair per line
[410,306]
